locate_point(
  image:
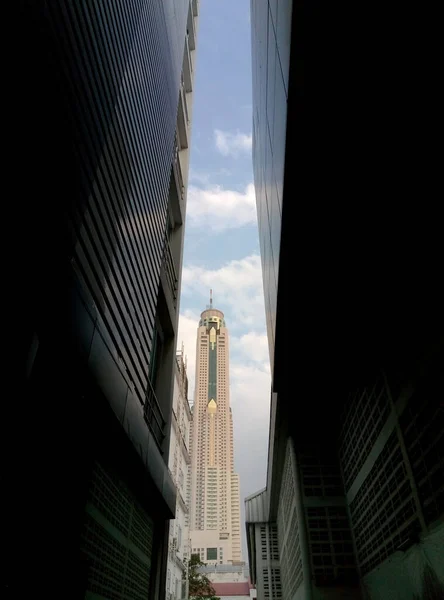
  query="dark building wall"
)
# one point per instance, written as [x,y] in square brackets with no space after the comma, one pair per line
[271,32]
[122,99]
[351,292]
[99,148]
[94,98]
[395,492]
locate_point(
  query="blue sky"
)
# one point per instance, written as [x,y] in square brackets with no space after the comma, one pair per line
[221,239]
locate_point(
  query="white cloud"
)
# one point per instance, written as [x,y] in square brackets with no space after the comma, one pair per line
[204,178]
[252,346]
[237,289]
[250,395]
[219,209]
[232,144]
[250,402]
[199,177]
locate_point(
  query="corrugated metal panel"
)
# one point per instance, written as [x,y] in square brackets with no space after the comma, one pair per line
[121,87]
[255,508]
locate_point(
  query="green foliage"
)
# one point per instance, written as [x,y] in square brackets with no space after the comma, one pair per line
[199,584]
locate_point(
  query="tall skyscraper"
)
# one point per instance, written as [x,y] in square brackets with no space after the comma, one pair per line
[215,500]
[107,129]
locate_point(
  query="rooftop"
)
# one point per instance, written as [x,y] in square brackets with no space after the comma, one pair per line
[232,589]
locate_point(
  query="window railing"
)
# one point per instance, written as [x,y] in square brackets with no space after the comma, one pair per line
[191,35]
[170,271]
[153,415]
[187,68]
[184,100]
[178,170]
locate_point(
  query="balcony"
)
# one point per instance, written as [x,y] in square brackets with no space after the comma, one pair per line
[153,416]
[182,118]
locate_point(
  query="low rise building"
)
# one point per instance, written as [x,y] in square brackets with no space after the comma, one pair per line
[178,464]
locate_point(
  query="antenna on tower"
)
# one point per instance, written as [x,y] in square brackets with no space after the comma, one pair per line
[211,298]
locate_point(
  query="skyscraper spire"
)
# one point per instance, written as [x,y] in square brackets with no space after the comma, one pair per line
[211,298]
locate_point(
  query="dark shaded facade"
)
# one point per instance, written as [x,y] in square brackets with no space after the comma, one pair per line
[355,483]
[101,94]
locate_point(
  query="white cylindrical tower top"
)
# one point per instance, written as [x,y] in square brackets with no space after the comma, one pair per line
[212,315]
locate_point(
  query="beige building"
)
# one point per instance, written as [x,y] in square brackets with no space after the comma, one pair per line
[178,465]
[215,498]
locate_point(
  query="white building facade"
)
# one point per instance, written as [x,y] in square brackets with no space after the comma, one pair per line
[178,464]
[215,529]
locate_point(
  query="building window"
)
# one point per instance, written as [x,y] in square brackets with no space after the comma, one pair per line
[211,553]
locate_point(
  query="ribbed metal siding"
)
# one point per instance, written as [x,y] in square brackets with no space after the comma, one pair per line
[117,540]
[422,425]
[121,93]
[290,551]
[255,508]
